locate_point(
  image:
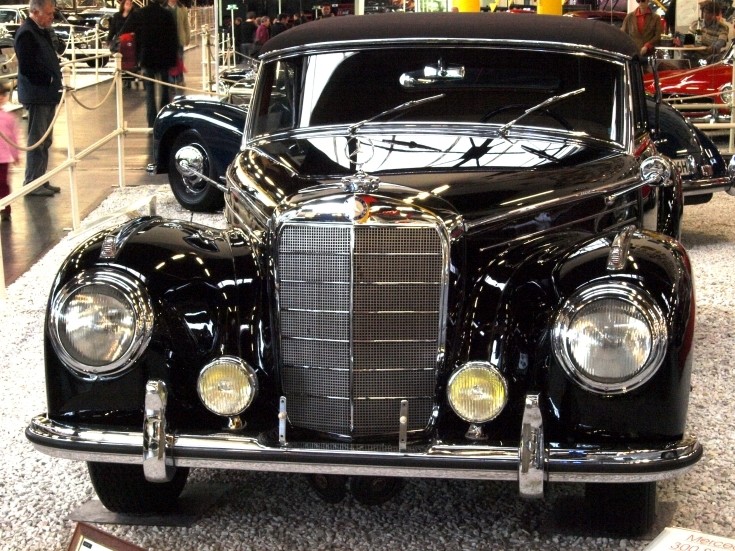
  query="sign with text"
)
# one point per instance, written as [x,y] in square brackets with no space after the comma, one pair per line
[681,539]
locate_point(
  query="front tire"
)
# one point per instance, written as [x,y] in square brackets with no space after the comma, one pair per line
[191,191]
[622,509]
[124,489]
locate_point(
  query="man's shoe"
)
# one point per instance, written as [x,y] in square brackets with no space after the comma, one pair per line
[41,192]
[55,189]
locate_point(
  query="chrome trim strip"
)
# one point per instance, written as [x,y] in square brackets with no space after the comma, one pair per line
[705,185]
[471,461]
[155,467]
[612,189]
[403,427]
[282,418]
[422,42]
[531,450]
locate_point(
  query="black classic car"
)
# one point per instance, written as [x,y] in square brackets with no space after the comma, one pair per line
[205,132]
[452,251]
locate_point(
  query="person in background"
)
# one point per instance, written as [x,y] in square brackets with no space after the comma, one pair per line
[183,33]
[644,27]
[263,34]
[121,17]
[326,11]
[157,46]
[247,34]
[8,151]
[298,19]
[709,32]
[39,86]
[280,24]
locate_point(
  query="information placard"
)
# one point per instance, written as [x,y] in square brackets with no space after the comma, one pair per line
[88,538]
[681,539]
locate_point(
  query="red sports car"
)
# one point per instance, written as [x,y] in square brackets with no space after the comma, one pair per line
[698,88]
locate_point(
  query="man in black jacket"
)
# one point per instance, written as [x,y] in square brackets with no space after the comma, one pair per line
[39,86]
[157,44]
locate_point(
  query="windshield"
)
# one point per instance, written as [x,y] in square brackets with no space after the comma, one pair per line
[503,88]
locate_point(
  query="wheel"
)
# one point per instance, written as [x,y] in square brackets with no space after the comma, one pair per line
[375,490]
[124,489]
[331,488]
[624,509]
[190,190]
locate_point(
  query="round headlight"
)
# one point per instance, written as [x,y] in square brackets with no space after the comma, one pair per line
[227,386]
[477,392]
[610,339]
[100,322]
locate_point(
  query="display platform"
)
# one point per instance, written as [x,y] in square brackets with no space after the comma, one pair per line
[196,500]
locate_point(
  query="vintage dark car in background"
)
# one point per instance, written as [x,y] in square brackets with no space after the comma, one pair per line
[452,251]
[206,132]
[702,168]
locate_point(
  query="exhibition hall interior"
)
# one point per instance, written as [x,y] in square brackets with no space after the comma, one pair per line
[417,274]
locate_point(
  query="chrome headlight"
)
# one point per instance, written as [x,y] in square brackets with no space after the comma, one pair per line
[477,392]
[610,338]
[227,386]
[100,322]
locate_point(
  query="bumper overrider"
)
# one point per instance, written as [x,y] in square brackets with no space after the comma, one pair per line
[532,463]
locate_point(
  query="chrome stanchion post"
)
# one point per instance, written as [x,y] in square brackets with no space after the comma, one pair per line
[206,59]
[731,145]
[71,156]
[232,8]
[120,113]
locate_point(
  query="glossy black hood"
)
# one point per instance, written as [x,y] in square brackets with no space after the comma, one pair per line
[474,175]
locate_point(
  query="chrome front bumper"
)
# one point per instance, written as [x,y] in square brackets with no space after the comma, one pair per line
[706,185]
[531,464]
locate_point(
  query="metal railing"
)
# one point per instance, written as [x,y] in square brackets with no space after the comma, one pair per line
[119,132]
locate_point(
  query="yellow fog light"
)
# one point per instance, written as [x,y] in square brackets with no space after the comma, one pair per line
[477,392]
[227,386]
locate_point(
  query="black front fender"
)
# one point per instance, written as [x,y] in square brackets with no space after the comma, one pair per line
[203,288]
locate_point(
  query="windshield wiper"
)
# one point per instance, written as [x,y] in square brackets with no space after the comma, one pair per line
[398,108]
[548,101]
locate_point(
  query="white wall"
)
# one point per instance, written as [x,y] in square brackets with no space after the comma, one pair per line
[686,12]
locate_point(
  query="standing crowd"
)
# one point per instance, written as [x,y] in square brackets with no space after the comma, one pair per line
[253,32]
[161,31]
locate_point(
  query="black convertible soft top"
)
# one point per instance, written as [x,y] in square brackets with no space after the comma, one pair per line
[399,27]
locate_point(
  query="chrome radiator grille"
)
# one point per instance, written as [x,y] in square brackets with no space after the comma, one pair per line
[360,325]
